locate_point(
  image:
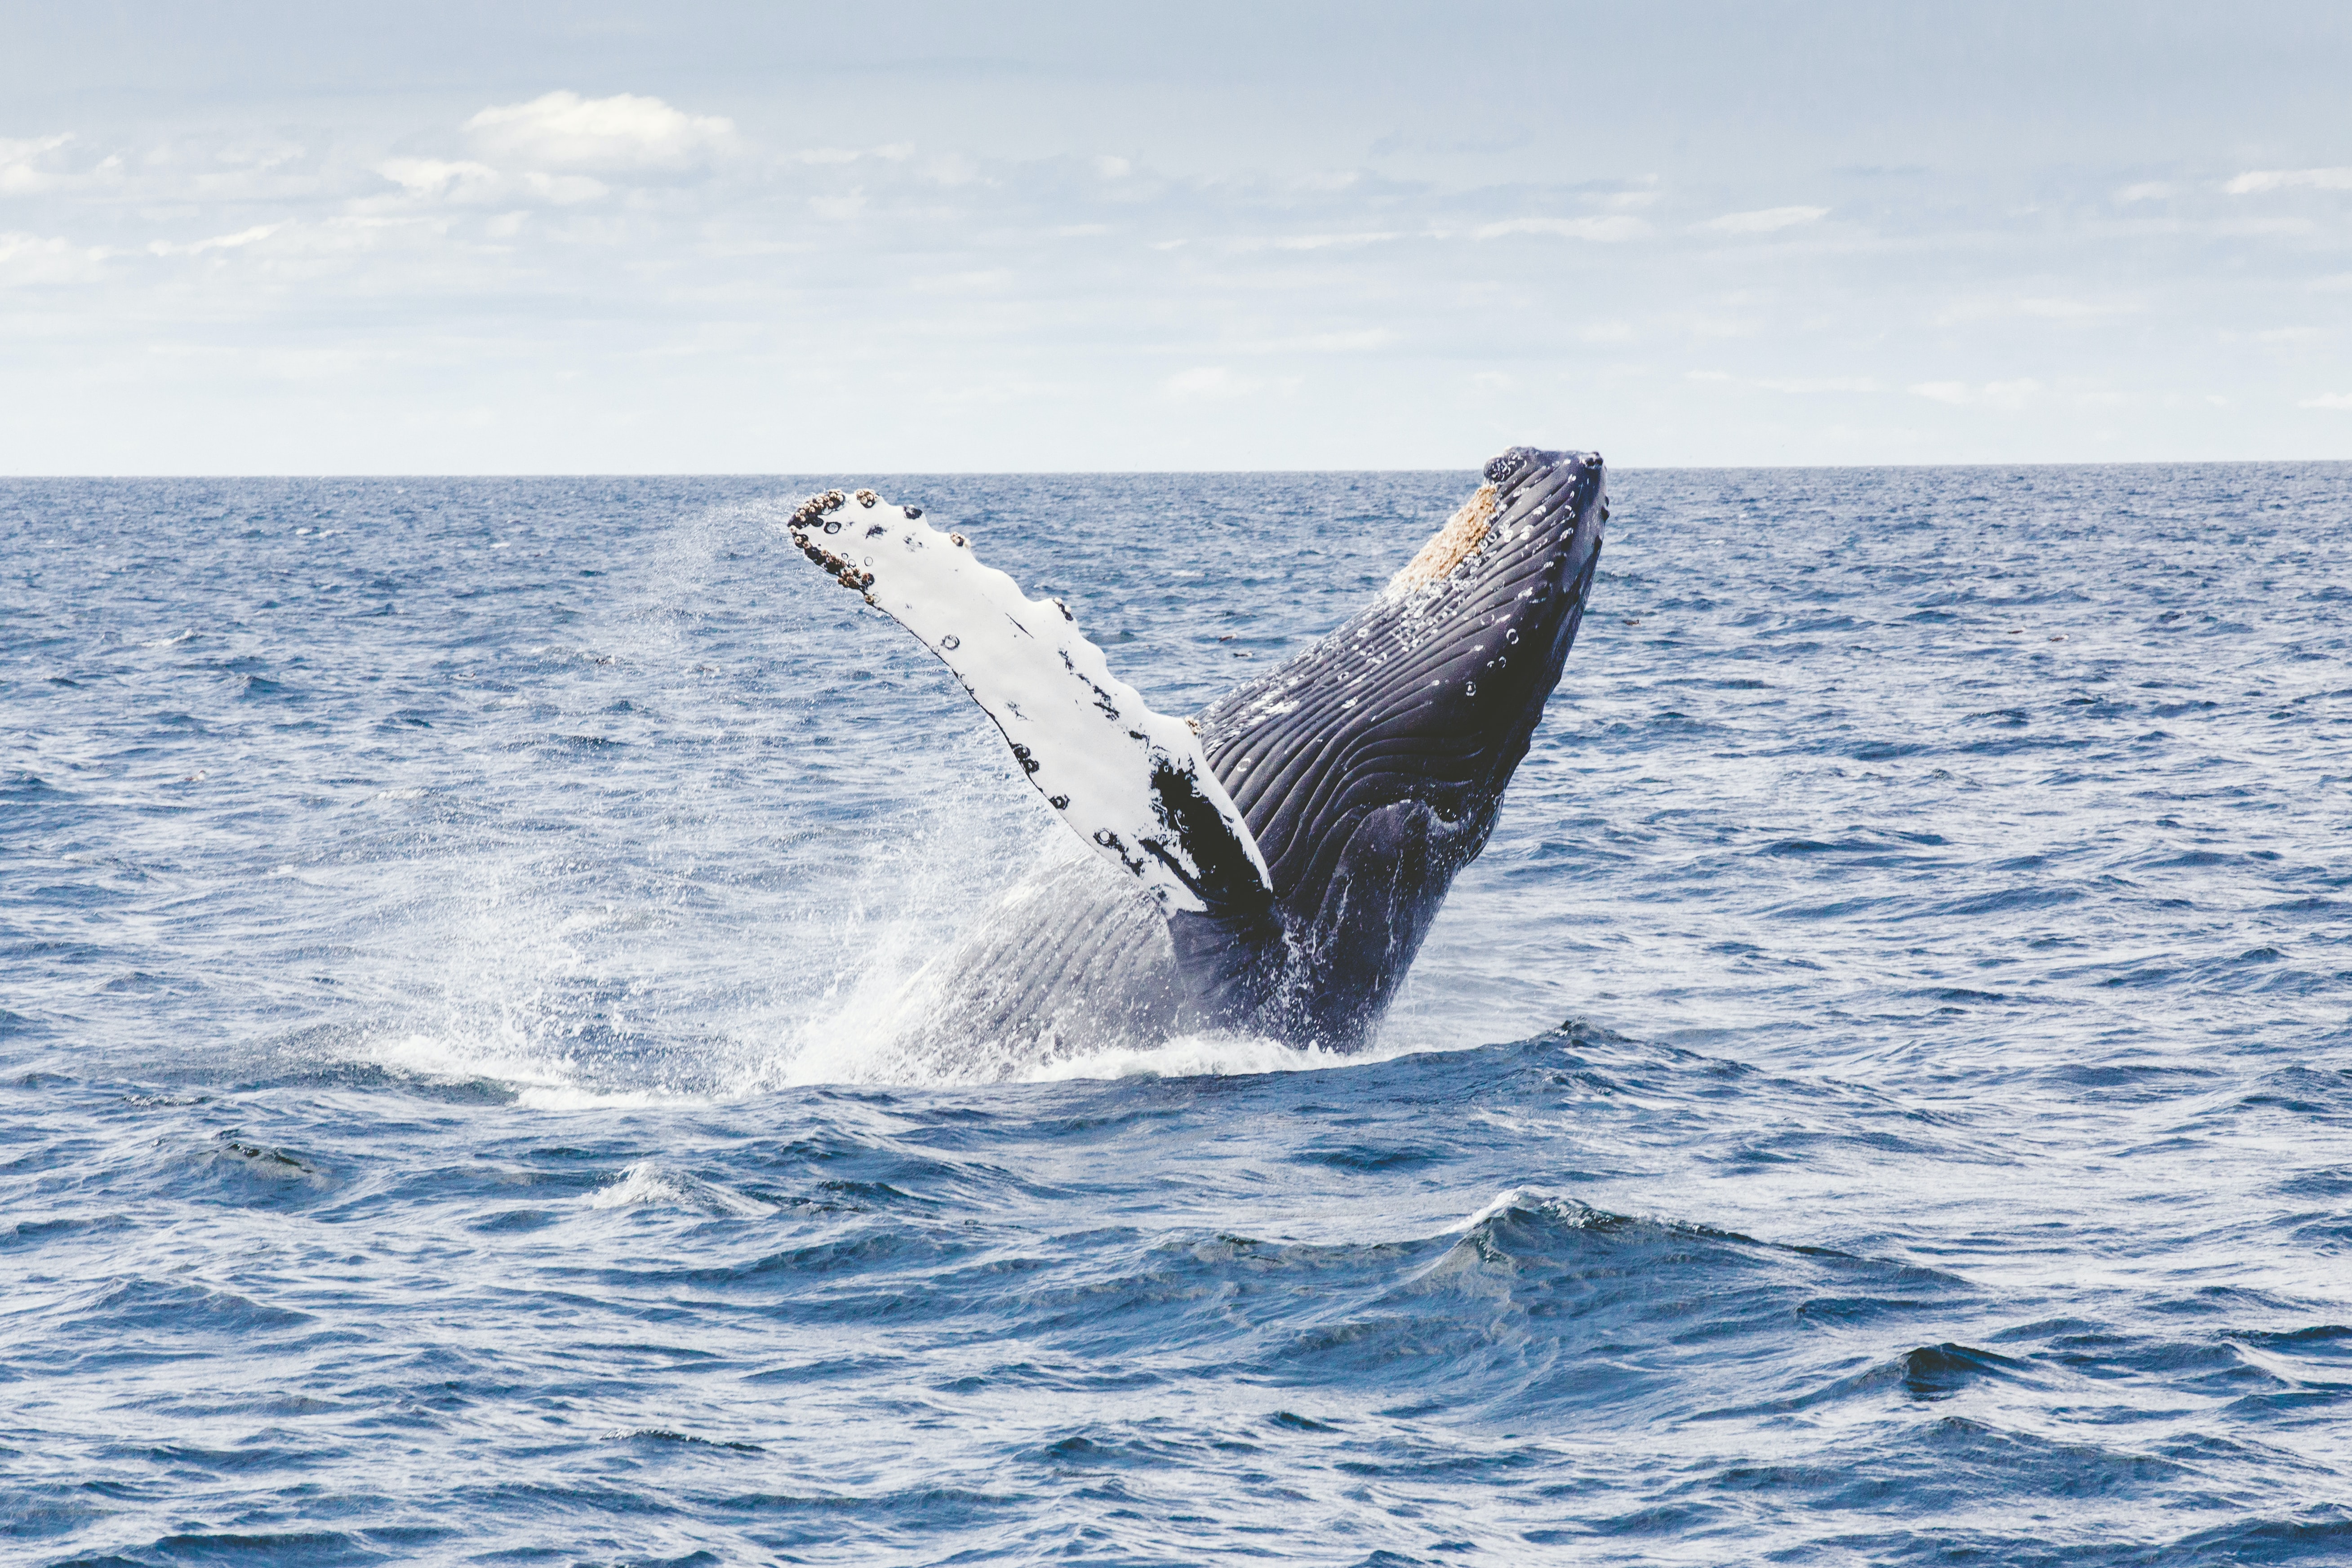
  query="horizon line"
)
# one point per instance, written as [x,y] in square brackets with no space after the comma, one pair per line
[1139,473]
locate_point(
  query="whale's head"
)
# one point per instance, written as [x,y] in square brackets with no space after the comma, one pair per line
[1370,768]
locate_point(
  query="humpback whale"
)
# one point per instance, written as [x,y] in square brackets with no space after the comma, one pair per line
[1271,864]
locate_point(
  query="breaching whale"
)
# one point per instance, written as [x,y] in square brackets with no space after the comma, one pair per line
[1272,865]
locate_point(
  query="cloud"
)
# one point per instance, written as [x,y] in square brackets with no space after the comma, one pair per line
[1764,220]
[1208,381]
[31,259]
[2008,394]
[2049,309]
[1362,340]
[2145,191]
[1607,230]
[2255,181]
[22,170]
[559,130]
[440,176]
[1822,383]
[1313,241]
[2328,400]
[1215,383]
[2040,308]
[466,182]
[218,242]
[895,152]
[1797,385]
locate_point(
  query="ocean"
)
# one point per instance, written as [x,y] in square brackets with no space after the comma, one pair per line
[1884,1096]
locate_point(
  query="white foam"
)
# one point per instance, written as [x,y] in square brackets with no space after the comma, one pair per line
[1502,1202]
[512,1061]
[651,1184]
[1535,1200]
[580,983]
[1205,1055]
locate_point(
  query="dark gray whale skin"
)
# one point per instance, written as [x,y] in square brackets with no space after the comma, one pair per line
[1370,769]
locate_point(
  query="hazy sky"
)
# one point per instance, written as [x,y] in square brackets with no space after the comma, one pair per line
[533,238]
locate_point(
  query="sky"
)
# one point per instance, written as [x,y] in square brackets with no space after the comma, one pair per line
[534,237]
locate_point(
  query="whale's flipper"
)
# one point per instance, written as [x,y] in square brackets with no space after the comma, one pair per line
[1132,783]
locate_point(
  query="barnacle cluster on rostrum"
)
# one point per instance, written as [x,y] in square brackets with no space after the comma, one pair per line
[814,515]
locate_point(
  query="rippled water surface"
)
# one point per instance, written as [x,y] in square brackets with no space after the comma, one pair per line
[1884,1096]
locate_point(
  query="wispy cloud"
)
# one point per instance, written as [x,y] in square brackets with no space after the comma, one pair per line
[2255,181]
[562,131]
[1363,340]
[437,176]
[1312,241]
[2002,395]
[1216,384]
[1763,220]
[26,165]
[894,152]
[463,181]
[2044,308]
[2328,400]
[2041,308]
[32,258]
[1792,385]
[1613,229]
[218,242]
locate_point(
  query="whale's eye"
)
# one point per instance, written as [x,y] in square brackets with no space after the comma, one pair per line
[951,642]
[912,511]
[833,525]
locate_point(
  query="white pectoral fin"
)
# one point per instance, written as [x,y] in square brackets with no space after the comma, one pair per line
[1132,783]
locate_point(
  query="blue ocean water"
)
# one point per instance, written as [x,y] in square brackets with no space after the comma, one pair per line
[1884,1096]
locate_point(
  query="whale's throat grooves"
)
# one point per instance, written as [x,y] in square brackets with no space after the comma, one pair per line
[1370,769]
